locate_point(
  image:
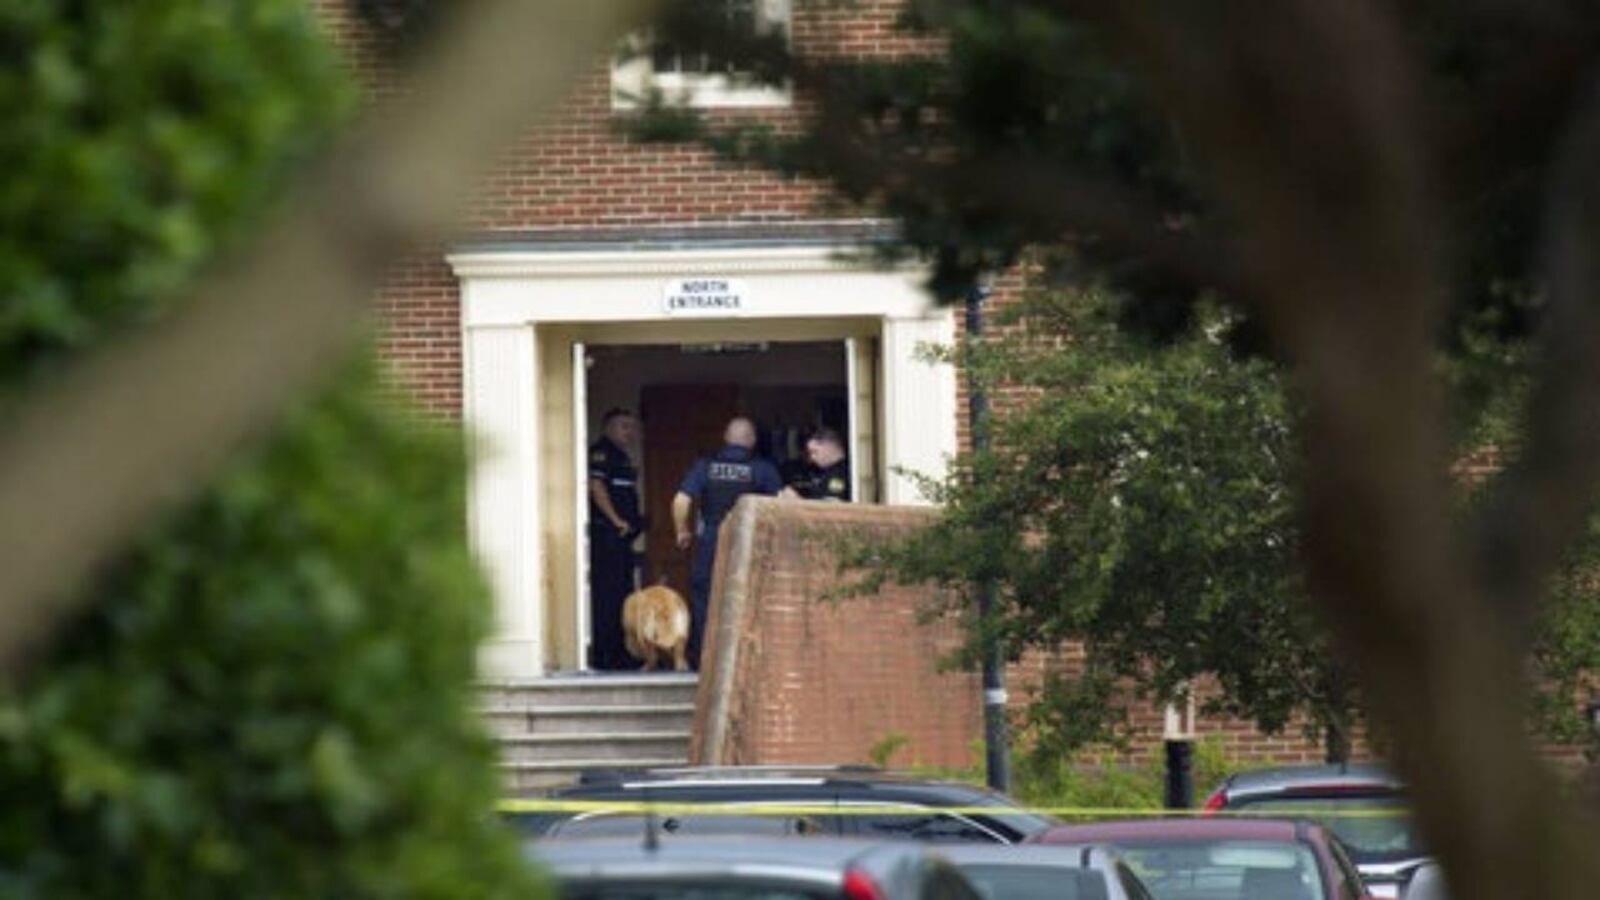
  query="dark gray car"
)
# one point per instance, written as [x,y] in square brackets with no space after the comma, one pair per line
[871,804]
[722,868]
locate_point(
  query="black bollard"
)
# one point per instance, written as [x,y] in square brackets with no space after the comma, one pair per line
[1180,774]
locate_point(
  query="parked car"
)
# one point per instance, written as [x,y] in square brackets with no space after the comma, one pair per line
[1032,872]
[748,869]
[1364,805]
[1225,859]
[871,804]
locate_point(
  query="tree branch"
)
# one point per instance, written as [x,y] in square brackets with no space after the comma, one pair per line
[1544,500]
[145,421]
[1306,118]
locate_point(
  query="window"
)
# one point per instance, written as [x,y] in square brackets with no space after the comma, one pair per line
[700,79]
[1208,870]
[603,824]
[933,828]
[1373,827]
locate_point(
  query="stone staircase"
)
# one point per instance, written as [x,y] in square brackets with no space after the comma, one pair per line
[549,729]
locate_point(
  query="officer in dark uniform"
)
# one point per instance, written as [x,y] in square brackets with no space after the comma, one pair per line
[614,522]
[713,486]
[827,475]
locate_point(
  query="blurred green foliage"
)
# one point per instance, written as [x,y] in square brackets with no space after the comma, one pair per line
[1105,782]
[1140,498]
[272,695]
[138,139]
[1043,777]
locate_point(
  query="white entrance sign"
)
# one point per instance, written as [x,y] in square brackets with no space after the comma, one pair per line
[703,297]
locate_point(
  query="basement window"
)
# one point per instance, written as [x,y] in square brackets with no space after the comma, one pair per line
[700,79]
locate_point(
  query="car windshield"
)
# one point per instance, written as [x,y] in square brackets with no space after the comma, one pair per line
[1225,870]
[1374,827]
[1016,882]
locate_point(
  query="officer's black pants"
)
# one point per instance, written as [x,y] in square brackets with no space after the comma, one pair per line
[610,583]
[705,558]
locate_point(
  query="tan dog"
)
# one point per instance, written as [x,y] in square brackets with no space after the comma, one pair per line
[655,626]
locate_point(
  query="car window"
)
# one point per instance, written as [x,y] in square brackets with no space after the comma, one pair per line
[1374,827]
[628,824]
[932,827]
[1023,882]
[1225,870]
[1131,885]
[944,882]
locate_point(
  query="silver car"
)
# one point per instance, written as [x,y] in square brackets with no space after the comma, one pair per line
[727,868]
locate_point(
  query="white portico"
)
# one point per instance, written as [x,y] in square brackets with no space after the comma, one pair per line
[532,318]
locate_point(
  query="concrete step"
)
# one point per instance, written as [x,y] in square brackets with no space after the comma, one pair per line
[524,779]
[597,749]
[591,691]
[518,721]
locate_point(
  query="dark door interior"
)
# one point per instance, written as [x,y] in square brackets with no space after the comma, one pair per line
[681,423]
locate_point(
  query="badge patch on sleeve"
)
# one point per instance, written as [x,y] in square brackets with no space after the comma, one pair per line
[835,485]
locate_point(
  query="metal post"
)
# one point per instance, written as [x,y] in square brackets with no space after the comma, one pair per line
[1178,741]
[1180,774]
[997,748]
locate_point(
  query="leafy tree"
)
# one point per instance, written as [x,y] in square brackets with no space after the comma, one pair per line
[1140,501]
[271,695]
[1367,187]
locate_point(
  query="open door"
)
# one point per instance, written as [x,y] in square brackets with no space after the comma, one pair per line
[580,478]
[852,440]
[682,422]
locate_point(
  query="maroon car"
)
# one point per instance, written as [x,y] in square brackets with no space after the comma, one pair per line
[1225,859]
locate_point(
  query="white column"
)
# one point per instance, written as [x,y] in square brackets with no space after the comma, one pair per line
[501,409]
[919,404]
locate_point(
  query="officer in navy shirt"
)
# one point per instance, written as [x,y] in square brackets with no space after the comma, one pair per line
[713,486]
[614,522]
[827,476]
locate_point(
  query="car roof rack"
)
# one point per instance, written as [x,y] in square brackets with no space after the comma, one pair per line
[612,775]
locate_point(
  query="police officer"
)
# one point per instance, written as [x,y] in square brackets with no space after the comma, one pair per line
[714,485]
[827,475]
[614,522]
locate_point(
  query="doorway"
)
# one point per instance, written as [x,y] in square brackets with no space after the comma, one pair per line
[686,393]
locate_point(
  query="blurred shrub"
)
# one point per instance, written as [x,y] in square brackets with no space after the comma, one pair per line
[1042,776]
[272,696]
[138,138]
[1045,778]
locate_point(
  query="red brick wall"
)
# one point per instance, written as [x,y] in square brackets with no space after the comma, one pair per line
[419,313]
[797,678]
[803,679]
[576,171]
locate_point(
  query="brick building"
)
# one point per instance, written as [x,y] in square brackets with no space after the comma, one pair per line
[601,272]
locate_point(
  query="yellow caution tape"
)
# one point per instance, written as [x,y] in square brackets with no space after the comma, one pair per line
[848,808]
